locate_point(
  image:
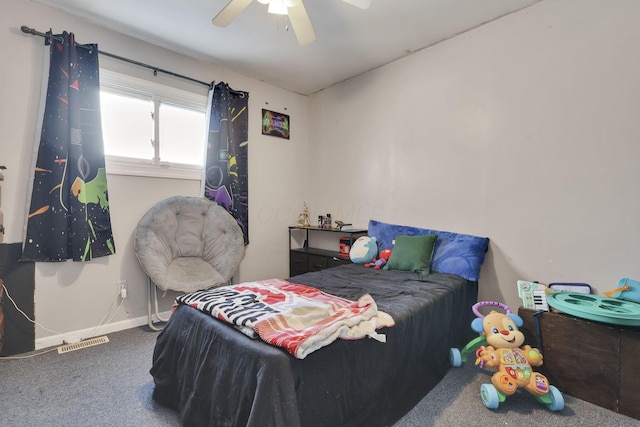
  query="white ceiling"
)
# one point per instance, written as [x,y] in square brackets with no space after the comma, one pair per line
[257,44]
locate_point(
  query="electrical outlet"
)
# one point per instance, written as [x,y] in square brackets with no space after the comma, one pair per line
[122,288]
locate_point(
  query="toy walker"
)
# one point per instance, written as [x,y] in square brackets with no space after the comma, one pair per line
[498,346]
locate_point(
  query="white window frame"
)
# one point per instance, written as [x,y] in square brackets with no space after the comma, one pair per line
[123,84]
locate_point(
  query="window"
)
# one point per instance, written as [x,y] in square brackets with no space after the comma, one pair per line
[150,129]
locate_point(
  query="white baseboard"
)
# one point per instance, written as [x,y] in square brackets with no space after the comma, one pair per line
[82,334]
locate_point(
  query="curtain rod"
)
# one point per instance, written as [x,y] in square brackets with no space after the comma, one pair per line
[156,70]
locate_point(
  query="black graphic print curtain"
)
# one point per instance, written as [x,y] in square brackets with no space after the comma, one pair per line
[226,174]
[69,211]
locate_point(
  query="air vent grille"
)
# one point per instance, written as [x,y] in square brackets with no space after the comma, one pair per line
[82,344]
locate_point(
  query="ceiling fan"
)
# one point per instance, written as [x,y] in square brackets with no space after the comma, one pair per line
[293,8]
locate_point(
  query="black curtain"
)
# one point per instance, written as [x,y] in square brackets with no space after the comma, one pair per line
[69,212]
[226,171]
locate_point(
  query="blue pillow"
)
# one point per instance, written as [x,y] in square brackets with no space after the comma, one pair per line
[454,253]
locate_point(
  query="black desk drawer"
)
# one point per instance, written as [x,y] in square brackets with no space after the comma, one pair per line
[298,263]
[317,262]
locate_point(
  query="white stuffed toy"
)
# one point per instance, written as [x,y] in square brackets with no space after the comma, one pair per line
[364,250]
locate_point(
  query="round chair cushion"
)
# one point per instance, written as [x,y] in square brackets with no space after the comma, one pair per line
[188,244]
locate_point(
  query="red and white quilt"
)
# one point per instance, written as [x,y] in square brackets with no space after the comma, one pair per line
[299,318]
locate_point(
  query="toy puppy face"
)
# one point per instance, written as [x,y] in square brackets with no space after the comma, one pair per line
[502,331]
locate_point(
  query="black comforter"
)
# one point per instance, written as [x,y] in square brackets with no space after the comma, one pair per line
[216,376]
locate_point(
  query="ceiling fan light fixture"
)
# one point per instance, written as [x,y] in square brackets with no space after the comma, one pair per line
[295,11]
[277,7]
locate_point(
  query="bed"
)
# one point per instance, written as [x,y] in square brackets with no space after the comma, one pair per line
[214,375]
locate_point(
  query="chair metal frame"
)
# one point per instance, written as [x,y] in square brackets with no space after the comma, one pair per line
[152,292]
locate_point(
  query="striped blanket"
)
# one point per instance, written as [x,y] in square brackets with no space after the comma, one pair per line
[295,317]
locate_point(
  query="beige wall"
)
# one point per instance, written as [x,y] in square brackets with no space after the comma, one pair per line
[72,298]
[524,130]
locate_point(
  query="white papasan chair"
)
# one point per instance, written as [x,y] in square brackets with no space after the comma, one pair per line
[187,244]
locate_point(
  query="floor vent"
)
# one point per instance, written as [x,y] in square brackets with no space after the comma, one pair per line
[82,344]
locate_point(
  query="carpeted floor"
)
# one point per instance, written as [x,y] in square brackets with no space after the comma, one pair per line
[110,385]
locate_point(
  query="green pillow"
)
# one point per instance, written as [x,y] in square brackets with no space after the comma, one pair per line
[412,253]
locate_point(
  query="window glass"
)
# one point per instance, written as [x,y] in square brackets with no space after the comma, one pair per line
[151,129]
[127,126]
[182,134]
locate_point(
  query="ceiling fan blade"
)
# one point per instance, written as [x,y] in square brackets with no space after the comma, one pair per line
[301,24]
[362,4]
[230,12]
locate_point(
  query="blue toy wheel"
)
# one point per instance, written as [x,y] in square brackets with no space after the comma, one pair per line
[557,401]
[455,358]
[489,396]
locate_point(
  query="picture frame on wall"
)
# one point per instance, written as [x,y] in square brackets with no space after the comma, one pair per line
[275,124]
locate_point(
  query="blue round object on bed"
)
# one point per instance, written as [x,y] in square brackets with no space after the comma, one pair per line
[363,250]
